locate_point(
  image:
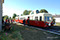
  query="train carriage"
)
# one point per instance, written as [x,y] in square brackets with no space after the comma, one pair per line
[38,19]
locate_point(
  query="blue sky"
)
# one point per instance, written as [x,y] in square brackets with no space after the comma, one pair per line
[18,6]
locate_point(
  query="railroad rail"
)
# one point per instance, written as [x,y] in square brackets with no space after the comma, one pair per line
[53,29]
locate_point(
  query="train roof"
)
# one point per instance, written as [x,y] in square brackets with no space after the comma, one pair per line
[36,14]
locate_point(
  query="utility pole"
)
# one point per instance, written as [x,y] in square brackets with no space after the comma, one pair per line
[1,2]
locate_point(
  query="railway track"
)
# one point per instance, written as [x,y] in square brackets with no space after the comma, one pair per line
[52,29]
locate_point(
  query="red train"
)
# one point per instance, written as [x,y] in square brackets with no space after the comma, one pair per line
[39,20]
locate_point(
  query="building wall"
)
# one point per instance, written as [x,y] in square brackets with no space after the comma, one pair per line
[57,19]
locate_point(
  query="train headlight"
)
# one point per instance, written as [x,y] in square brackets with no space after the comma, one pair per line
[49,24]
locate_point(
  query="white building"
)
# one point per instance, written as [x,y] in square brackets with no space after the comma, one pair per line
[1,2]
[57,18]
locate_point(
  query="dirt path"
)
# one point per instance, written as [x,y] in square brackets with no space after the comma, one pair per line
[29,33]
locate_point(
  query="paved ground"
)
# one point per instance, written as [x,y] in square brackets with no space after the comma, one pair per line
[29,33]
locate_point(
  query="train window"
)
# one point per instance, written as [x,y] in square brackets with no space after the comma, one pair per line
[37,11]
[21,18]
[36,18]
[49,18]
[32,13]
[45,18]
[40,18]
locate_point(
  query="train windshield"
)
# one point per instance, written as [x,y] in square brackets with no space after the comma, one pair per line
[47,18]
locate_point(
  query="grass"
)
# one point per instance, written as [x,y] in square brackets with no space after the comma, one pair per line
[13,34]
[57,24]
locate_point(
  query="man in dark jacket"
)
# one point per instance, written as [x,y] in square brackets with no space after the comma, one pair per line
[28,20]
[24,22]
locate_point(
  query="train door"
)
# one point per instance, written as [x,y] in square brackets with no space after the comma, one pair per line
[40,18]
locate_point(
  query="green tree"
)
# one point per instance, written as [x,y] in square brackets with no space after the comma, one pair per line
[21,14]
[43,11]
[14,15]
[29,12]
[10,18]
[5,17]
[26,12]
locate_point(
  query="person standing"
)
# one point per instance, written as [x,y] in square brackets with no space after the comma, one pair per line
[8,21]
[28,20]
[24,22]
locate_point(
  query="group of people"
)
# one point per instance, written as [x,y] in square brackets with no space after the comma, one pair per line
[9,21]
[6,24]
[25,21]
